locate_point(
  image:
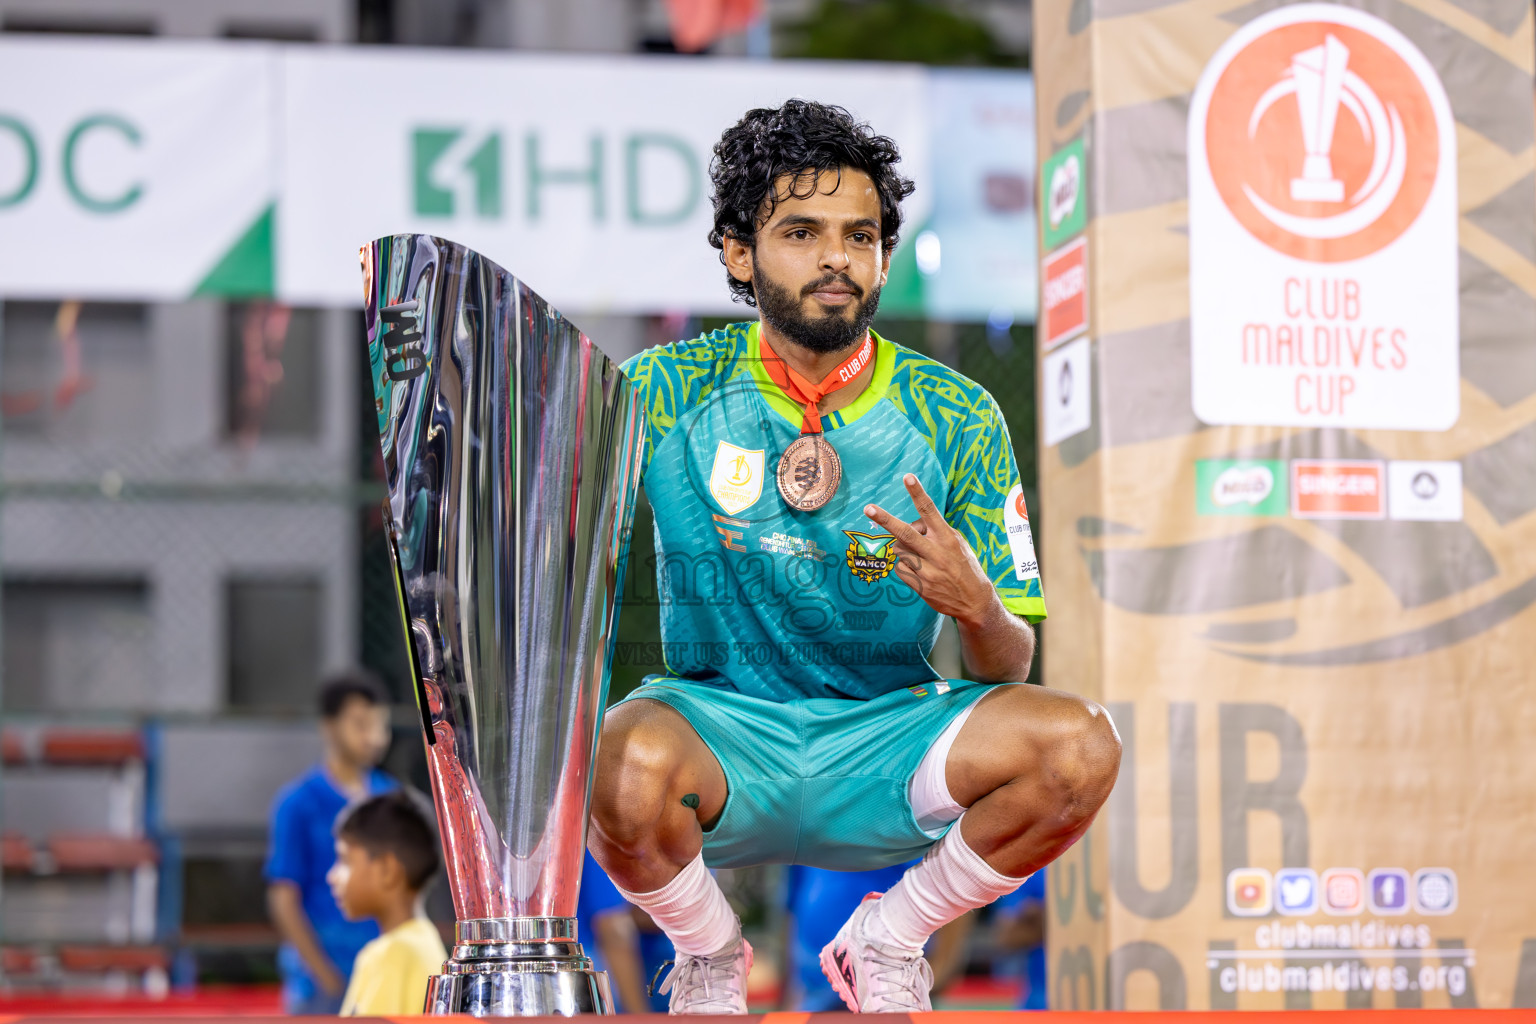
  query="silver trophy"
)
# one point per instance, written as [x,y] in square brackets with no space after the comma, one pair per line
[511,448]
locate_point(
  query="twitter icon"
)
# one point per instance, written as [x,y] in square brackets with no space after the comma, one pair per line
[1296,891]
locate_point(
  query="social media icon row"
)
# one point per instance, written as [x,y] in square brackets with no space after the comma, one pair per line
[1297,892]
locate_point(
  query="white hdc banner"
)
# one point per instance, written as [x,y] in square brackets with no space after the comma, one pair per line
[136,170]
[157,170]
[587,177]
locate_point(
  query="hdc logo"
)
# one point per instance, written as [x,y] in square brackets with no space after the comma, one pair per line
[30,161]
[401,334]
[458,172]
[444,158]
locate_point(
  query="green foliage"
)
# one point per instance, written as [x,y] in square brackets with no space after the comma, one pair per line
[918,31]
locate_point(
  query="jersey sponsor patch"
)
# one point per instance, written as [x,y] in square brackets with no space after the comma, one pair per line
[1020,541]
[777,543]
[736,481]
[869,556]
[729,538]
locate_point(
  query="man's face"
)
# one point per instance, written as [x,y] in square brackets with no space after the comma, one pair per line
[817,264]
[360,732]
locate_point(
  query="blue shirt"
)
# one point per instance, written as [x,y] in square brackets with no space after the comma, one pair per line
[1034,963]
[821,901]
[599,897]
[303,848]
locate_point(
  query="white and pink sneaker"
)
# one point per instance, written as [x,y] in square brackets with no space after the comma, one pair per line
[875,977]
[714,984]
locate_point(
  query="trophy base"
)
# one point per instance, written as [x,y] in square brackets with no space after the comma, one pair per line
[518,967]
[533,990]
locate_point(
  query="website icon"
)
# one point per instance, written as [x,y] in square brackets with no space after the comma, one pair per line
[1434,890]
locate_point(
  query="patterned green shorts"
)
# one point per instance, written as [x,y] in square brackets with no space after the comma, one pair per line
[821,782]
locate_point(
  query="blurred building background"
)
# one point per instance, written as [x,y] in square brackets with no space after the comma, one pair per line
[189,528]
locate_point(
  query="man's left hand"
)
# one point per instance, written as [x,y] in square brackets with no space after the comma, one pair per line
[935,560]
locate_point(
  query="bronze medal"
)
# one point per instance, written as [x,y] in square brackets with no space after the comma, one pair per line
[809,469]
[809,473]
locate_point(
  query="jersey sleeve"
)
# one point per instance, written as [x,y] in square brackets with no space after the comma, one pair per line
[986,504]
[656,397]
[669,379]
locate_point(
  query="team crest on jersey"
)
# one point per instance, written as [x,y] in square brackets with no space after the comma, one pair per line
[736,481]
[869,556]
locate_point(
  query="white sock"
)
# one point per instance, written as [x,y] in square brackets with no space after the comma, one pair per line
[691,909]
[950,880]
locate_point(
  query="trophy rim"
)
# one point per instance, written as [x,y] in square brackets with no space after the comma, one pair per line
[479,930]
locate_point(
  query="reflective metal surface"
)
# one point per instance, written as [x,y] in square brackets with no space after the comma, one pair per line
[511,450]
[520,993]
[516,929]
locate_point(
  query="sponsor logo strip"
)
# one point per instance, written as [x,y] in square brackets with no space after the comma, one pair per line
[1241,487]
[1338,489]
[1064,293]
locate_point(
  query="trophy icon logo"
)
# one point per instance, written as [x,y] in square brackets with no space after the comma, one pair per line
[1317,82]
[1320,80]
[736,479]
[1321,139]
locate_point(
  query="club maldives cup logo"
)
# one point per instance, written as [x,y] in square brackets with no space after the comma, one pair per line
[1308,155]
[1323,266]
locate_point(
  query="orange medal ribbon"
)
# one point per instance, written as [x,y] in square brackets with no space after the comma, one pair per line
[808,394]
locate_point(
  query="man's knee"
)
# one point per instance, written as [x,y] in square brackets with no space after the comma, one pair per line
[637,760]
[1082,759]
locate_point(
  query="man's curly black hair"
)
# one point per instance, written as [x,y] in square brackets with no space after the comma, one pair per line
[802,138]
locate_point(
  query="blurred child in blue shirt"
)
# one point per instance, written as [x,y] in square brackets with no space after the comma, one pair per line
[319,944]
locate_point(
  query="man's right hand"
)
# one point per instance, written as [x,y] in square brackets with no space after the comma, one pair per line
[286,906]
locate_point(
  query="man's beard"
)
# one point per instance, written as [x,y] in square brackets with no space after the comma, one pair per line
[829,332]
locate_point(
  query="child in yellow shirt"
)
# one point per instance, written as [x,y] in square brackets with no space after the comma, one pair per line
[386,854]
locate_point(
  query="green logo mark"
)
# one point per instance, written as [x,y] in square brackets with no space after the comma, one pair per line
[1241,487]
[1063,192]
[429,147]
[18,191]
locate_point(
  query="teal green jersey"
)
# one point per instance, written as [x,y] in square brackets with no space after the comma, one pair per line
[781,604]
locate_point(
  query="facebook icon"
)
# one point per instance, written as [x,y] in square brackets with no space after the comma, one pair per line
[1387,891]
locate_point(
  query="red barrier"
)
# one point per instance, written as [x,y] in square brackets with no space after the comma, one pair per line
[16,853]
[100,853]
[69,746]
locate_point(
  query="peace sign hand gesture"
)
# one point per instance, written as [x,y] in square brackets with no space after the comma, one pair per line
[935,560]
